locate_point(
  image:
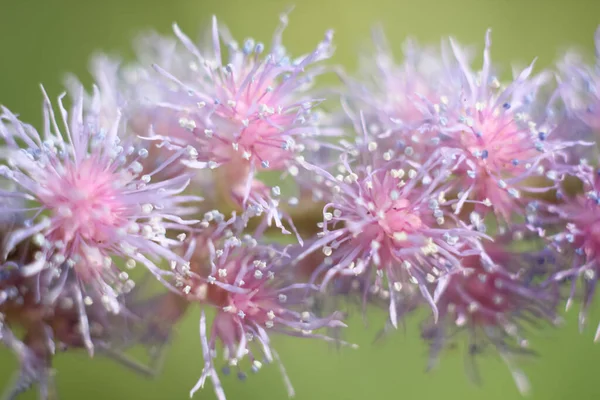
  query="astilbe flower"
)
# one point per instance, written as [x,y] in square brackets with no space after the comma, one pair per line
[504,146]
[388,219]
[251,113]
[251,288]
[87,203]
[494,298]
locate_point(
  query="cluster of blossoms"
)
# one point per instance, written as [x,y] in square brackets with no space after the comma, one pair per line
[434,185]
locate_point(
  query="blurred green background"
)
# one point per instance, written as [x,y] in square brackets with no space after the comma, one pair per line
[41,40]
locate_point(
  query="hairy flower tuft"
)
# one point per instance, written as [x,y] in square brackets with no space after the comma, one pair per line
[574,231]
[492,298]
[388,218]
[497,128]
[579,87]
[252,290]
[237,109]
[86,201]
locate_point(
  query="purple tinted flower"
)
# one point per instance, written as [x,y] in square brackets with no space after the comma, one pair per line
[240,108]
[108,97]
[87,201]
[491,298]
[388,219]
[494,125]
[390,95]
[47,308]
[51,322]
[254,294]
[110,101]
[35,368]
[20,307]
[579,86]
[256,103]
[575,226]
[350,292]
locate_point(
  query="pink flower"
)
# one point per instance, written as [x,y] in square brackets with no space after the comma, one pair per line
[254,294]
[579,86]
[111,100]
[47,308]
[390,95]
[87,201]
[574,224]
[491,298]
[253,112]
[496,127]
[389,220]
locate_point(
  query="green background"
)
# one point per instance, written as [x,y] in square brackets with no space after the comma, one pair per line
[40,40]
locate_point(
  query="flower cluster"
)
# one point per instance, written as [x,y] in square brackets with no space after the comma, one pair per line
[435,185]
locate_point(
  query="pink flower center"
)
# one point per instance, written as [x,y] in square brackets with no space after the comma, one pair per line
[256,309]
[84,203]
[498,143]
[482,295]
[398,219]
[255,119]
[591,237]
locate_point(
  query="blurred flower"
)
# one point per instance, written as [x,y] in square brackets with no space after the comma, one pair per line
[86,201]
[579,86]
[574,224]
[52,322]
[19,306]
[111,100]
[108,98]
[349,293]
[390,95]
[47,307]
[492,298]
